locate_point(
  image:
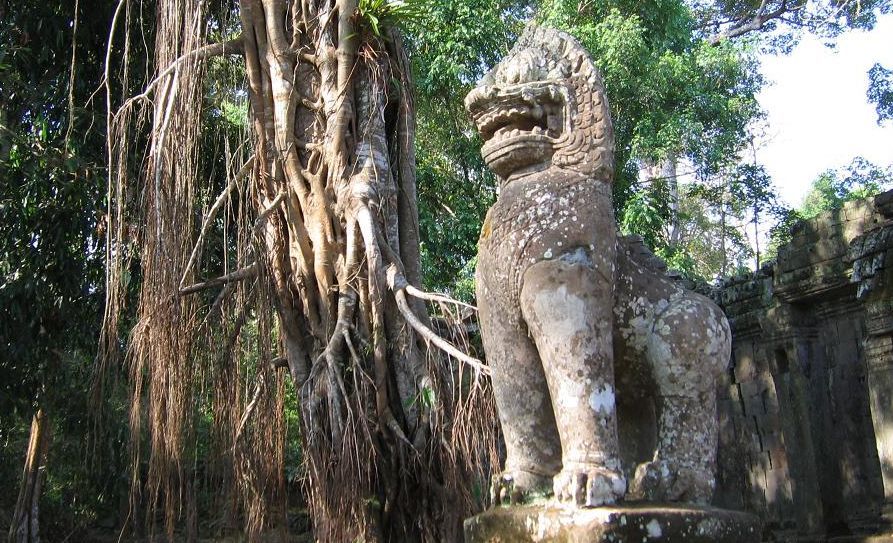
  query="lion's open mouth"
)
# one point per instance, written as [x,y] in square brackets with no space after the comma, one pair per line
[511,120]
[501,122]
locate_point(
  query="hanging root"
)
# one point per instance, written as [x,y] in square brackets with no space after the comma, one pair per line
[434,297]
[318,227]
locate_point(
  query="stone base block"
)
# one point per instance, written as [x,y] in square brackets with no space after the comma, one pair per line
[627,523]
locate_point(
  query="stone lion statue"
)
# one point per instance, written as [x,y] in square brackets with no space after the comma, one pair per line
[604,369]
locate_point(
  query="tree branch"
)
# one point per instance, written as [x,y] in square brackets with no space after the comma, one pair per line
[229,47]
[434,297]
[255,398]
[262,218]
[755,23]
[238,275]
[398,285]
[206,224]
[279,363]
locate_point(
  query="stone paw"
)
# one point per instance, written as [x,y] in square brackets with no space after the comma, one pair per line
[589,486]
[659,481]
[519,487]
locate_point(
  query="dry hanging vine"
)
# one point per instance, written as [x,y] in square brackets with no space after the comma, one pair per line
[320,227]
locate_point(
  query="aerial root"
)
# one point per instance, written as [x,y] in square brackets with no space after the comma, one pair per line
[265,214]
[327,362]
[435,297]
[229,47]
[397,283]
[255,398]
[430,336]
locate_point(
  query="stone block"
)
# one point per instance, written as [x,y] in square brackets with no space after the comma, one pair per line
[790,279]
[797,257]
[828,249]
[832,232]
[756,441]
[884,203]
[745,323]
[779,458]
[770,401]
[830,309]
[745,368]
[763,463]
[750,393]
[771,441]
[858,209]
[637,522]
[853,228]
[772,422]
[832,216]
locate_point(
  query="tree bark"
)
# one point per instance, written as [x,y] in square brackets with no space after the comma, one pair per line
[5,137]
[395,436]
[664,171]
[724,270]
[756,237]
[25,524]
[334,131]
[342,207]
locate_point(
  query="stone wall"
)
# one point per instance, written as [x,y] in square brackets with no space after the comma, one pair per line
[806,413]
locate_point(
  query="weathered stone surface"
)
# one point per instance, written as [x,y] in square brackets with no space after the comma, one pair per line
[806,440]
[627,523]
[603,368]
[586,369]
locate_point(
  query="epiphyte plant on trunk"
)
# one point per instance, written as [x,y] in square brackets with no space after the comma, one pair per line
[320,227]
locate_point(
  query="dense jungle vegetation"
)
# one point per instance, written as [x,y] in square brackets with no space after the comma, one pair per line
[222,222]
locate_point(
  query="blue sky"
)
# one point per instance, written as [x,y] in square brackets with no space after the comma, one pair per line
[818,115]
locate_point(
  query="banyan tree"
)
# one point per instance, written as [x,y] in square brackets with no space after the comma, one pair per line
[286,247]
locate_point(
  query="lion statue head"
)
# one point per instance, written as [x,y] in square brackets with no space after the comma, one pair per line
[544,105]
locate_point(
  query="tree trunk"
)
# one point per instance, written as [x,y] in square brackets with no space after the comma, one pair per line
[756,236]
[25,525]
[664,172]
[724,270]
[5,138]
[334,131]
[669,172]
[395,435]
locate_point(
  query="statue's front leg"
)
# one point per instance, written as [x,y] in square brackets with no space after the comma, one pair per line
[567,305]
[533,449]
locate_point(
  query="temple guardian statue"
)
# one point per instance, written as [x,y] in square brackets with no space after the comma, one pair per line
[604,369]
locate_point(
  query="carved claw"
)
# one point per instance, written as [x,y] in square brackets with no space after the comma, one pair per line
[660,481]
[518,487]
[589,486]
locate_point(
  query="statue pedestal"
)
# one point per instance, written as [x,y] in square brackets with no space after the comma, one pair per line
[621,523]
